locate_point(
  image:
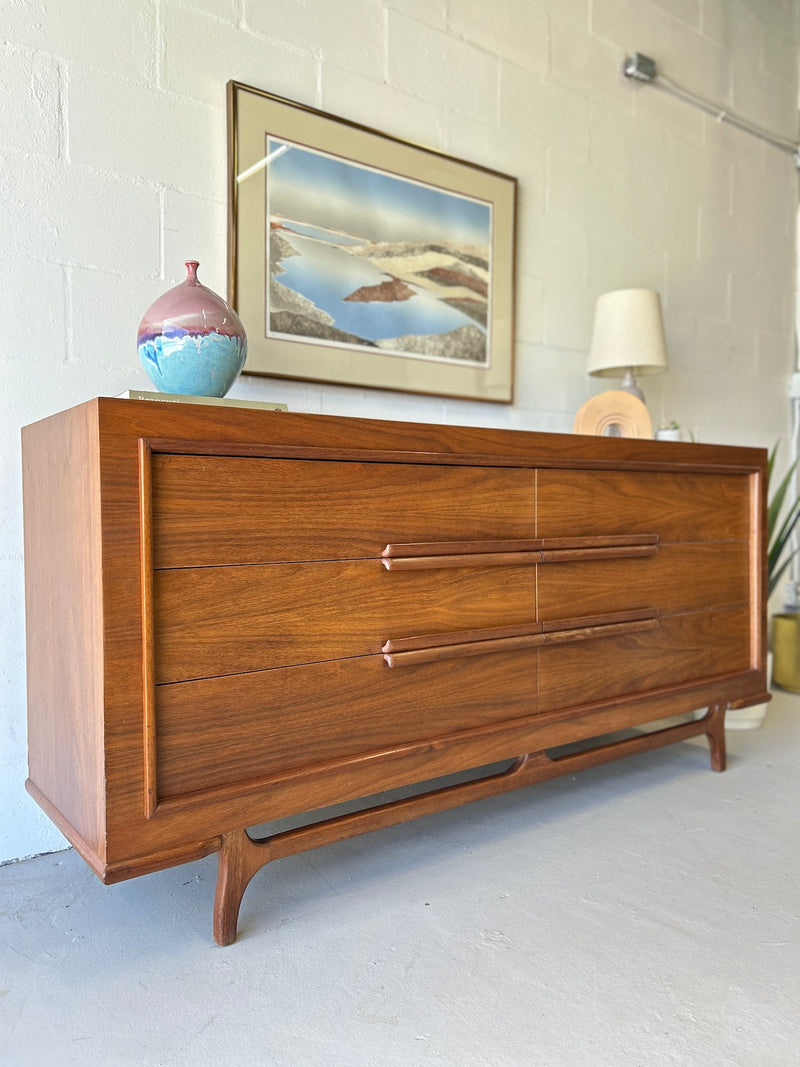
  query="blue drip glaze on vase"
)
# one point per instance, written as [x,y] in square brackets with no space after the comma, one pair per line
[191,342]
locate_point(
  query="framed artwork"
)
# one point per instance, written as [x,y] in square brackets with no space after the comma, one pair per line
[365,260]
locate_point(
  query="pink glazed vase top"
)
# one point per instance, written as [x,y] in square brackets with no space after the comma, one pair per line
[190,341]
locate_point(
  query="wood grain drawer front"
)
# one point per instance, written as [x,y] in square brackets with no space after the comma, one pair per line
[212,510]
[684,648]
[676,506]
[222,730]
[228,620]
[682,577]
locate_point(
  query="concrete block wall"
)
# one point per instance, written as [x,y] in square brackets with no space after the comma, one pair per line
[113,163]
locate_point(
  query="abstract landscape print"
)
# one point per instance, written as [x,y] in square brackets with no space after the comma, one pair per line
[360,259]
[364,259]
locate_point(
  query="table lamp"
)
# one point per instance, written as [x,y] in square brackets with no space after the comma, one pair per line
[628,337]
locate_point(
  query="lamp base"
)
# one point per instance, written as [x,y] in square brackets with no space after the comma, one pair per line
[628,385]
[614,414]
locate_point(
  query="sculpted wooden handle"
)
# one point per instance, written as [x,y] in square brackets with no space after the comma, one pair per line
[433,555]
[476,559]
[466,648]
[531,544]
[584,555]
[406,652]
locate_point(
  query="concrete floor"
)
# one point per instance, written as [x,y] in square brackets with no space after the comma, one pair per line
[641,913]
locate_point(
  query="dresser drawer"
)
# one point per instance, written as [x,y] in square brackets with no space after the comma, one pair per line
[684,648]
[222,730]
[222,510]
[227,620]
[682,577]
[676,506]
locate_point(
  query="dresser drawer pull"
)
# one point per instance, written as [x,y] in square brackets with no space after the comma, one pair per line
[474,559]
[462,548]
[518,559]
[585,555]
[532,544]
[468,648]
[588,633]
[410,651]
[461,637]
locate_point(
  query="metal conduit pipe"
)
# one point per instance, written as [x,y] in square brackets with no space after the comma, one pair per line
[642,68]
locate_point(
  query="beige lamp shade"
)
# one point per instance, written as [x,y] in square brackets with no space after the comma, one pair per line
[628,334]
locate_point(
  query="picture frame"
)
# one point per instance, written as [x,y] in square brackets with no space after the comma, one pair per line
[358,258]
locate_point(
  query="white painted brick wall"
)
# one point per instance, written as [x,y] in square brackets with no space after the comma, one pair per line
[201,54]
[115,35]
[112,173]
[516,30]
[458,75]
[31,121]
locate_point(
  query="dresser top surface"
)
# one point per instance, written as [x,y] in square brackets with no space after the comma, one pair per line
[165,424]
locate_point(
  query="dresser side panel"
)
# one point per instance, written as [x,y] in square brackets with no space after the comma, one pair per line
[64,622]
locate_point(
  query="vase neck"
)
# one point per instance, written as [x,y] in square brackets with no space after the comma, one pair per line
[191,272]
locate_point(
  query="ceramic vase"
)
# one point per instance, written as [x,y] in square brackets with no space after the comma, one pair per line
[190,341]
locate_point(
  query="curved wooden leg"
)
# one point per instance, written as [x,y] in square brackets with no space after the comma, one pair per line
[239,859]
[715,732]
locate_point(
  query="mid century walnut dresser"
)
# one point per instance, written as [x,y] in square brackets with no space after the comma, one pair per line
[238,615]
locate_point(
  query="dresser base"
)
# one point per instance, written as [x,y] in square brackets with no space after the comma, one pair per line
[241,856]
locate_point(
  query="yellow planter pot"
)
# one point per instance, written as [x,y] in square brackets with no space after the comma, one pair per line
[786,649]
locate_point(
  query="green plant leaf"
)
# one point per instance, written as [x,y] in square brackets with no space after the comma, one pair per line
[776,504]
[778,538]
[771,461]
[775,576]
